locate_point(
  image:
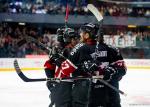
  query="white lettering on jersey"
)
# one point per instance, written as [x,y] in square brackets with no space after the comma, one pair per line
[74,50]
[99,54]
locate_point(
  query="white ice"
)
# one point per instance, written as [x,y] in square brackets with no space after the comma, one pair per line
[16,93]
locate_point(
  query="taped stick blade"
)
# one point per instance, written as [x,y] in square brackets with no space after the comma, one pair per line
[95,11]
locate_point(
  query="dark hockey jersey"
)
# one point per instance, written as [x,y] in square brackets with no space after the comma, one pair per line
[106,56]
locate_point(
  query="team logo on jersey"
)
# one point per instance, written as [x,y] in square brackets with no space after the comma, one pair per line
[99,54]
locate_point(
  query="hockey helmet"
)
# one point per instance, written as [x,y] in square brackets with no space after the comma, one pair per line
[60,33]
[66,34]
[89,28]
[69,33]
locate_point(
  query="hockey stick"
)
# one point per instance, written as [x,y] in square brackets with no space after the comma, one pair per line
[28,38]
[23,77]
[26,79]
[32,39]
[95,11]
[112,87]
[98,16]
[67,14]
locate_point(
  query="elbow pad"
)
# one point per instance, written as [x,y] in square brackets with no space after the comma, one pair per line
[49,65]
[49,69]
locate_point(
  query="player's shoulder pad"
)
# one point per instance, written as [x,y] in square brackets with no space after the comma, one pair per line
[114,49]
[76,48]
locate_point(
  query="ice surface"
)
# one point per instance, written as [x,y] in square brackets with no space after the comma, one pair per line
[136,83]
[16,93]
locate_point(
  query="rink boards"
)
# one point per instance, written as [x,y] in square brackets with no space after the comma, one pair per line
[27,64]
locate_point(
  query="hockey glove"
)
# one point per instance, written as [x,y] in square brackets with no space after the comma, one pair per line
[109,72]
[57,59]
[90,67]
[115,70]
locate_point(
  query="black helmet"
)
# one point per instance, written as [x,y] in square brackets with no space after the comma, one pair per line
[69,33]
[60,33]
[66,34]
[90,28]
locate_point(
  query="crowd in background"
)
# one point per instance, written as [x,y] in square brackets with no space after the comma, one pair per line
[10,36]
[75,8]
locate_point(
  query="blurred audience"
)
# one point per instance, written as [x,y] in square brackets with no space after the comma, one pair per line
[76,7]
[10,36]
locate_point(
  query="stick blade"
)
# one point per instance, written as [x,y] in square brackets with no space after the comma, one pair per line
[95,11]
[23,77]
[19,72]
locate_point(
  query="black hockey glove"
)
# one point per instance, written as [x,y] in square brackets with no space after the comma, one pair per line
[89,67]
[109,72]
[57,59]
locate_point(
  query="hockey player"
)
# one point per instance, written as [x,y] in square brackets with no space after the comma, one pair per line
[50,65]
[61,92]
[80,55]
[112,66]
[98,59]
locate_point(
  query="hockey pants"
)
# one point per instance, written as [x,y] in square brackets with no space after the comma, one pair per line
[103,96]
[61,94]
[80,93]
